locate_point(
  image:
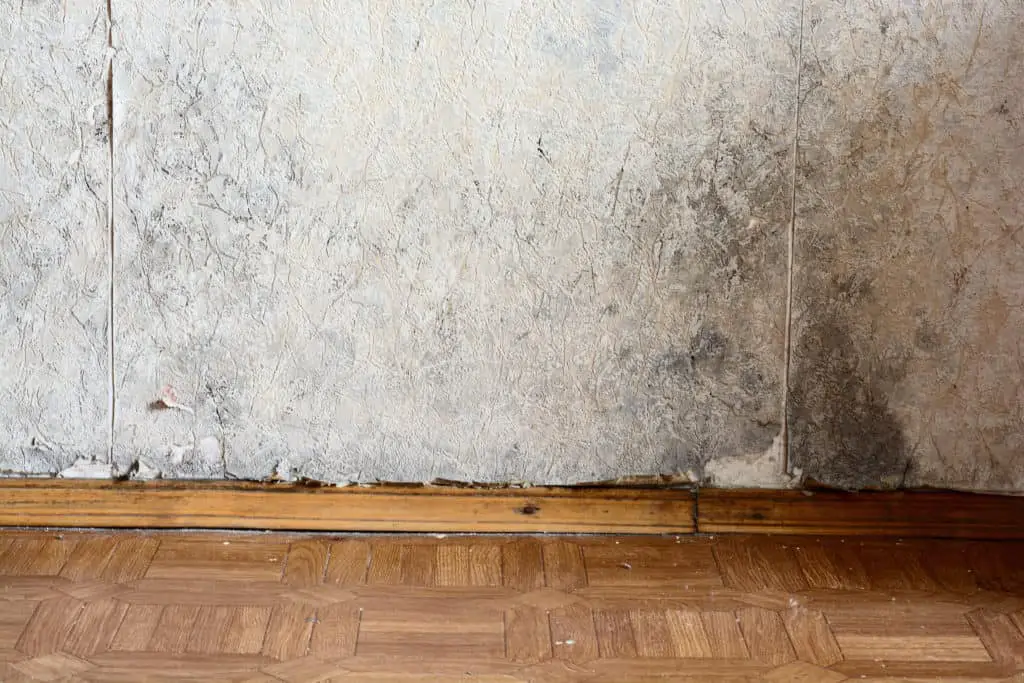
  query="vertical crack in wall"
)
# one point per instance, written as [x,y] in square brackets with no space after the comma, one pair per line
[111,402]
[791,249]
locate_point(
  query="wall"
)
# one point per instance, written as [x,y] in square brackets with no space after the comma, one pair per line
[512,242]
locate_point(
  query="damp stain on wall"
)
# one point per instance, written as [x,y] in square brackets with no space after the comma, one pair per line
[908,206]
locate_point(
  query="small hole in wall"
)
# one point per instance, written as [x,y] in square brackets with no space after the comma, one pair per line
[528,509]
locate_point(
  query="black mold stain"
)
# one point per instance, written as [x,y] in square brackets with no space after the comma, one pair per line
[712,234]
[707,348]
[754,382]
[841,430]
[674,364]
[926,337]
[876,232]
[718,393]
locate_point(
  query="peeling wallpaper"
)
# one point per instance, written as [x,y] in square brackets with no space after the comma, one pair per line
[511,242]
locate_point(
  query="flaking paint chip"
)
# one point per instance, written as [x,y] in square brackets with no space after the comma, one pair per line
[168,400]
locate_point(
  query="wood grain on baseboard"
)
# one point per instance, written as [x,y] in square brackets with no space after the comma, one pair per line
[231,505]
[454,509]
[933,514]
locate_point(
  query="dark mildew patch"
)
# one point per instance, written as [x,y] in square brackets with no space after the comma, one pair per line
[708,349]
[849,352]
[720,378]
[876,277]
[713,232]
[841,430]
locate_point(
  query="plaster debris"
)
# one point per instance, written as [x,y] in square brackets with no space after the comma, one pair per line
[210,450]
[178,454]
[88,469]
[283,471]
[146,472]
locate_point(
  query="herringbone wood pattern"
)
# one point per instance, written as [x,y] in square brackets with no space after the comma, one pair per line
[234,607]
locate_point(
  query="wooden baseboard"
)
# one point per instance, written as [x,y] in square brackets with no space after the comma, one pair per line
[392,508]
[921,514]
[230,505]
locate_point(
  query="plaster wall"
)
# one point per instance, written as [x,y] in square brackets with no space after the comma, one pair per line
[509,241]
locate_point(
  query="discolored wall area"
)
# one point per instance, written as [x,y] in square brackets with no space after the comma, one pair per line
[54,237]
[909,252]
[484,242]
[511,242]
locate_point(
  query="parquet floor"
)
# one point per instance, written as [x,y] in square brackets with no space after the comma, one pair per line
[247,607]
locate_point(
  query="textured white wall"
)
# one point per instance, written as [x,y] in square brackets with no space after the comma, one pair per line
[468,240]
[54,240]
[512,241]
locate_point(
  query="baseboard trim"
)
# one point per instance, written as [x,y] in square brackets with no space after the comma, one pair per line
[444,509]
[391,508]
[920,514]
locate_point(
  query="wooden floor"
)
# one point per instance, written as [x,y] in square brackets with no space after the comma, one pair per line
[234,607]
